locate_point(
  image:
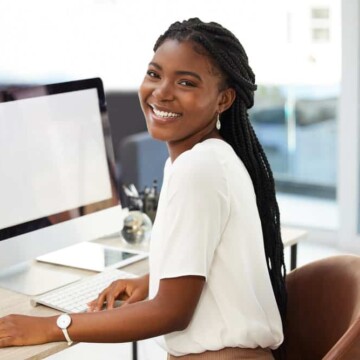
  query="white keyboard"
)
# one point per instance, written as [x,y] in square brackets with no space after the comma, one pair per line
[73,298]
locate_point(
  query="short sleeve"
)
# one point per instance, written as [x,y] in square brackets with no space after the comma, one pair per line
[196,212]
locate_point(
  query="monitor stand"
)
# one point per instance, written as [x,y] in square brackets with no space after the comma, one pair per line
[31,279]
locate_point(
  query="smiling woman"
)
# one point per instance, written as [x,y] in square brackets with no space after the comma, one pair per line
[215,289]
[181,97]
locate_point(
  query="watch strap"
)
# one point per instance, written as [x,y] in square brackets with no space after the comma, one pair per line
[67,337]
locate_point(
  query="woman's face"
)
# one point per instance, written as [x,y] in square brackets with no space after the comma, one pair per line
[180,94]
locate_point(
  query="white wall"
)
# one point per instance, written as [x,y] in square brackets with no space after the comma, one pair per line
[50,40]
[111,39]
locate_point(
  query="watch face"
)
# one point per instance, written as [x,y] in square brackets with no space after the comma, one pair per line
[63,321]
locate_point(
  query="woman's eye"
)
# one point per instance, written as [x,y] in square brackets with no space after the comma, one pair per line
[186,83]
[152,74]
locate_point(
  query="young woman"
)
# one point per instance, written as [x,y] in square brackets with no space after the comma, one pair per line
[216,284]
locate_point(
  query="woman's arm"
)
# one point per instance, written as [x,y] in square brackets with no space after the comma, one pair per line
[171,310]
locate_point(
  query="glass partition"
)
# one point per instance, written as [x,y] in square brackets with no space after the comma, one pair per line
[297,126]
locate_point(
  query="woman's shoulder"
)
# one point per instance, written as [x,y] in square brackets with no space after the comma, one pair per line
[199,170]
[208,154]
[213,159]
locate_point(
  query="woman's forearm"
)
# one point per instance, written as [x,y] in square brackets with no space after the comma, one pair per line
[128,323]
[170,310]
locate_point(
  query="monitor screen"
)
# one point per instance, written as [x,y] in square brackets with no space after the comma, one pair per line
[56,166]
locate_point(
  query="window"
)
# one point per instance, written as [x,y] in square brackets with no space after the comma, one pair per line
[320,13]
[320,34]
[295,112]
[320,24]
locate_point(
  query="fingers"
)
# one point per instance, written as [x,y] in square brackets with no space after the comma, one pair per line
[129,290]
[135,297]
[108,296]
[97,304]
[13,330]
[6,331]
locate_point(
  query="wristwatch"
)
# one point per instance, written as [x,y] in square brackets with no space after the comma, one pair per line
[63,322]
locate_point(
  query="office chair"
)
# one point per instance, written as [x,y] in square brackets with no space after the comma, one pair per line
[142,160]
[323,317]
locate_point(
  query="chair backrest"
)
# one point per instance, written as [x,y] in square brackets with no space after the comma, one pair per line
[142,160]
[324,310]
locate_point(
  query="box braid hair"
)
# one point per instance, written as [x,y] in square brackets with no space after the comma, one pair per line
[225,50]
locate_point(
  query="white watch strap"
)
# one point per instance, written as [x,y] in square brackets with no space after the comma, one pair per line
[67,337]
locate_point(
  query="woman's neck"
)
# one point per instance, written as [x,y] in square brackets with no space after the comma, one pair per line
[176,148]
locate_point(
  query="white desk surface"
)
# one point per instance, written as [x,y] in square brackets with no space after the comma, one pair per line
[11,302]
[291,236]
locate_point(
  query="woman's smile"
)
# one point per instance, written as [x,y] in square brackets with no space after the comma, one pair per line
[163,115]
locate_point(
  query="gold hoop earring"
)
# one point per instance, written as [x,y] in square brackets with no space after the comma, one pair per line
[218,123]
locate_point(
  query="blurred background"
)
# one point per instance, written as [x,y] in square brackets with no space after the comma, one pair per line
[294,48]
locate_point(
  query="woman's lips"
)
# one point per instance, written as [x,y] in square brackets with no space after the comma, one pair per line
[164,115]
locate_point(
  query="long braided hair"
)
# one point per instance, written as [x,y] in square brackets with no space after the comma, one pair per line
[229,55]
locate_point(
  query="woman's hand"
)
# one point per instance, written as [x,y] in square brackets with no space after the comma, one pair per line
[18,330]
[128,290]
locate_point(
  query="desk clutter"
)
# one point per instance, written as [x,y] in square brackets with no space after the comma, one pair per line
[142,212]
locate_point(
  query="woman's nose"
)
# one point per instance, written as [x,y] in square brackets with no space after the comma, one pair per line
[163,91]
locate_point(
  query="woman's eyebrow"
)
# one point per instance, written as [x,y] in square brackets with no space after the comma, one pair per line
[154,64]
[179,72]
[191,73]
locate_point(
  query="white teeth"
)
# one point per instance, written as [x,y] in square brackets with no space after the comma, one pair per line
[165,114]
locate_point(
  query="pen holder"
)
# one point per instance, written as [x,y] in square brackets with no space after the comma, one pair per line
[137,227]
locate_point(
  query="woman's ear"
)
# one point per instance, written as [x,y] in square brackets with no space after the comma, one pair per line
[227,98]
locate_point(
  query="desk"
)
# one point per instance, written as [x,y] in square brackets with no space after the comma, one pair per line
[11,302]
[291,237]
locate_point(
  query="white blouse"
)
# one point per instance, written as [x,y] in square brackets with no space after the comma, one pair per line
[207,224]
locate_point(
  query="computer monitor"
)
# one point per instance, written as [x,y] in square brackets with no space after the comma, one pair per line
[57,183]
